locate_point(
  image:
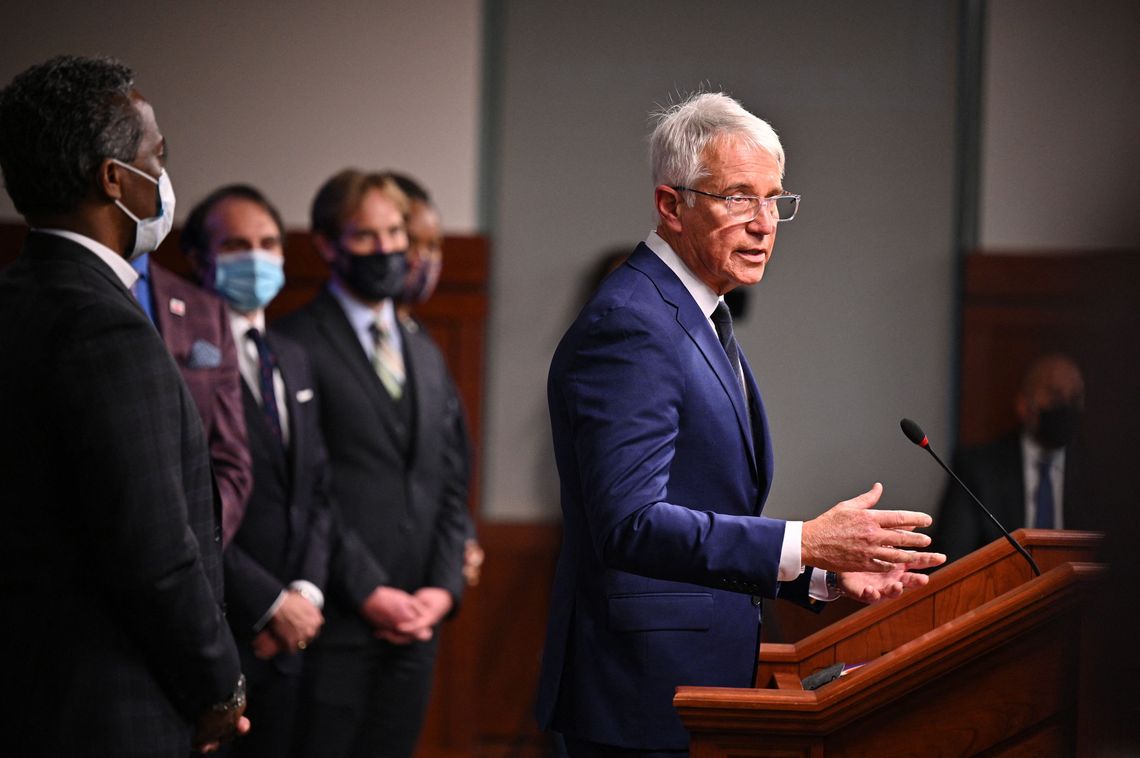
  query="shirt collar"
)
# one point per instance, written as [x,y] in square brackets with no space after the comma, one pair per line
[118,264]
[1032,452]
[240,323]
[702,293]
[362,316]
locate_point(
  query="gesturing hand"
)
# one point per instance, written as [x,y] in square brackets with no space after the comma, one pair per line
[851,536]
[871,587]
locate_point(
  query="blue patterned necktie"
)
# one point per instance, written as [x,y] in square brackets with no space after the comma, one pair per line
[722,320]
[265,364]
[1044,499]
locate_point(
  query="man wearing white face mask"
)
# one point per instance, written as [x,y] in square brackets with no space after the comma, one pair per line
[117,641]
[277,563]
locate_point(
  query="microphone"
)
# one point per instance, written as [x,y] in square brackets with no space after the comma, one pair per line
[914,433]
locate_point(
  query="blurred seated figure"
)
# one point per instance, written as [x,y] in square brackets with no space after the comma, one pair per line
[1029,477]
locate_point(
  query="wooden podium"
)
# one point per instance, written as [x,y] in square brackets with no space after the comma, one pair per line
[986,659]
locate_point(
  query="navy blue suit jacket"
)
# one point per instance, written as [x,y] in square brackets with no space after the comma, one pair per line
[664,471]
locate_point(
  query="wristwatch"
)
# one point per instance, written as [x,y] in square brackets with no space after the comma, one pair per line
[831,580]
[235,702]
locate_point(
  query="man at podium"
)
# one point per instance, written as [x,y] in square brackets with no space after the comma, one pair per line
[665,462]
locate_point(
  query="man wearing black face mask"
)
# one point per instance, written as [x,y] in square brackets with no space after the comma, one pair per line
[389,413]
[1029,477]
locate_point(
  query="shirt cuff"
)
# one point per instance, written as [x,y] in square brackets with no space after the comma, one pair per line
[261,622]
[817,587]
[790,565]
[309,591]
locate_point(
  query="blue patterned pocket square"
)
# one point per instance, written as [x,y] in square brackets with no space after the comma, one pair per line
[204,355]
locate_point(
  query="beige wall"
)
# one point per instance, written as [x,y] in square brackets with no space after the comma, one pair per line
[1060,153]
[283,93]
[853,326]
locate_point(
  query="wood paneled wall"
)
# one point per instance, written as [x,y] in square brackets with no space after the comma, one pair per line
[1018,306]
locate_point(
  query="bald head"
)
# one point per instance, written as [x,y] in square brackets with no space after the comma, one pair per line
[1051,399]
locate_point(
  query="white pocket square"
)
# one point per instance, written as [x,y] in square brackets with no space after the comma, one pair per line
[304,396]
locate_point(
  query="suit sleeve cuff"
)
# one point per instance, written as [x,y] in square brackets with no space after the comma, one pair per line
[790,565]
[261,622]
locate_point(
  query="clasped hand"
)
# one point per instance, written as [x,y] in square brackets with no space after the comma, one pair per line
[401,618]
[294,624]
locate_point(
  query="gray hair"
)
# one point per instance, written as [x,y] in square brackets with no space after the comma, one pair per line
[58,121]
[684,130]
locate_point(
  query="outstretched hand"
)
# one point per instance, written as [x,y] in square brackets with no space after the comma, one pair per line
[853,537]
[873,586]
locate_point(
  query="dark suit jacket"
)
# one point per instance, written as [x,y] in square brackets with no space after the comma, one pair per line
[112,563]
[285,534]
[995,473]
[664,474]
[196,330]
[404,510]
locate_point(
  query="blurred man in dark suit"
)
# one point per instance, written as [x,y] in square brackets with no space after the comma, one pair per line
[1029,477]
[116,640]
[425,265]
[194,326]
[277,564]
[390,413]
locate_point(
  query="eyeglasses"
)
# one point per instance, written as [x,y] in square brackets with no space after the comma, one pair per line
[747,207]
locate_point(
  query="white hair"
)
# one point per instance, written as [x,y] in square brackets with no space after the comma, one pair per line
[684,130]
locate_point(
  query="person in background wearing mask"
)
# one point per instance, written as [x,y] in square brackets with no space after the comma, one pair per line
[194,326]
[1028,477]
[390,414]
[116,639]
[277,563]
[425,265]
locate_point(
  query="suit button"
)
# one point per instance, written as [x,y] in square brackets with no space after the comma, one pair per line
[757,601]
[407,526]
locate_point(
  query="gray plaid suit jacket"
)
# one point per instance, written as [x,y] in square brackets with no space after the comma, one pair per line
[112,573]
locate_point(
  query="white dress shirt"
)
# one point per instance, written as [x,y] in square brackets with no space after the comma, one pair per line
[1031,453]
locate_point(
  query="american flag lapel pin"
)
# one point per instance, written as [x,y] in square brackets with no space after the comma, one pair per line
[177,307]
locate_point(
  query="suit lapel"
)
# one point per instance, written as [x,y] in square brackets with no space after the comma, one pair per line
[258,427]
[697,326]
[298,441]
[52,247]
[760,435]
[333,322]
[1013,485]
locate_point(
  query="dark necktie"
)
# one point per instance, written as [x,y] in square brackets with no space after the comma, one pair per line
[265,364]
[1044,518]
[722,320]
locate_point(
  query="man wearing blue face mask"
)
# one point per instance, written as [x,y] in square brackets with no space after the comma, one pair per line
[277,563]
[390,414]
